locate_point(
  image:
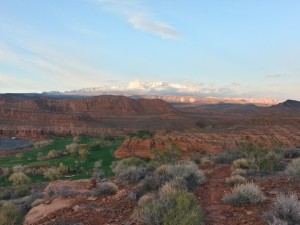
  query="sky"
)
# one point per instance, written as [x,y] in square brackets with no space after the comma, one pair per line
[232,48]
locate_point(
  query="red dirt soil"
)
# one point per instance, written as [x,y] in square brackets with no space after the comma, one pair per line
[218,213]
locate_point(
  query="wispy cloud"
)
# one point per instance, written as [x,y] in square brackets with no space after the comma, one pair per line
[50,68]
[275,76]
[139,18]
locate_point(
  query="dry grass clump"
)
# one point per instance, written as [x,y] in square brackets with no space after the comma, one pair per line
[235,180]
[10,215]
[285,210]
[242,194]
[42,144]
[106,188]
[293,169]
[240,164]
[240,172]
[176,207]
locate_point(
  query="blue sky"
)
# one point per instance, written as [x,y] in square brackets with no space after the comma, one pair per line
[232,48]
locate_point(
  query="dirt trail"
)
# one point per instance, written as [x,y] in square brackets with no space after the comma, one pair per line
[216,212]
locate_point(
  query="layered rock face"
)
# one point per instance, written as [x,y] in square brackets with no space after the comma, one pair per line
[39,116]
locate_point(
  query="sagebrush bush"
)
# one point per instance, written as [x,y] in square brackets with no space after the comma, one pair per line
[234,180]
[178,183]
[178,208]
[284,210]
[187,170]
[293,169]
[121,165]
[19,178]
[291,153]
[171,154]
[153,181]
[227,157]
[240,164]
[132,174]
[42,144]
[10,215]
[242,194]
[106,188]
[240,172]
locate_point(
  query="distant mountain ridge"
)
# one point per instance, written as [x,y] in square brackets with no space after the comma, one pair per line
[168,98]
[291,105]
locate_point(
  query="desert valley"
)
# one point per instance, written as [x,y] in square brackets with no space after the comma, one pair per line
[73,159]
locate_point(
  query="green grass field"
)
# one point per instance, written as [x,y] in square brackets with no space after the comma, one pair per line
[105,153]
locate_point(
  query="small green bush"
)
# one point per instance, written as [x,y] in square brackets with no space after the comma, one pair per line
[285,210]
[293,169]
[105,188]
[242,194]
[234,180]
[10,215]
[180,208]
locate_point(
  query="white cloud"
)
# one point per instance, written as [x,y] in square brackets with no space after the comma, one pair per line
[53,70]
[140,19]
[141,22]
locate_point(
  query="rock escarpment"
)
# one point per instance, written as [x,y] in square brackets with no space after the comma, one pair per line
[36,116]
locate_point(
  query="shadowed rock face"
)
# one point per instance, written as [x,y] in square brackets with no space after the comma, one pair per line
[290,105]
[36,116]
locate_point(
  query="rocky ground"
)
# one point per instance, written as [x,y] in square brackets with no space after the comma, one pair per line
[117,209]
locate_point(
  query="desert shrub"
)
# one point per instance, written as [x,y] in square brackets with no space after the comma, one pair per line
[240,172]
[293,169]
[36,202]
[262,159]
[22,191]
[153,181]
[291,153]
[187,170]
[132,174]
[98,174]
[146,199]
[73,148]
[6,194]
[171,154]
[285,209]
[121,165]
[178,183]
[178,208]
[105,188]
[241,194]
[10,215]
[19,168]
[240,164]
[52,154]
[4,172]
[42,144]
[234,180]
[227,157]
[19,178]
[52,173]
[141,134]
[63,169]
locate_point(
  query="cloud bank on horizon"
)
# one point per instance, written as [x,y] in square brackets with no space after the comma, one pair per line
[232,49]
